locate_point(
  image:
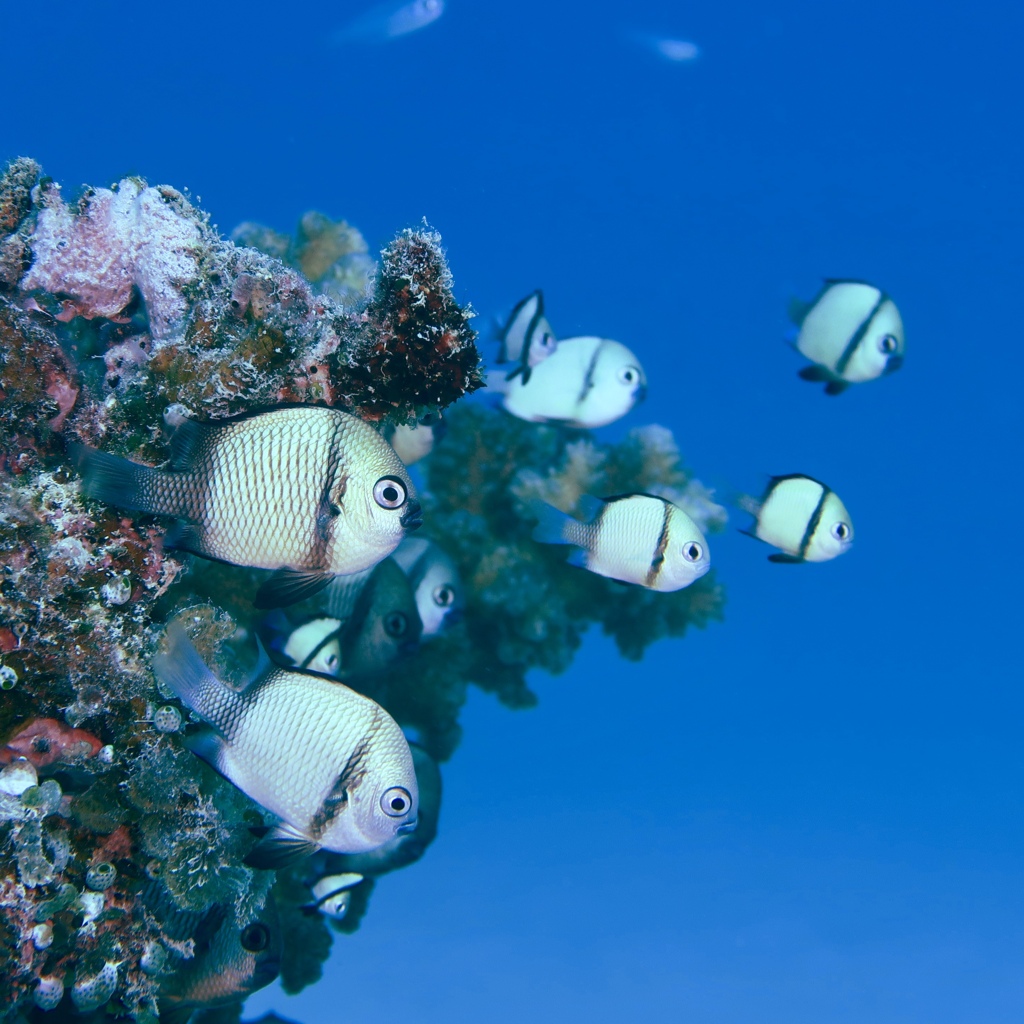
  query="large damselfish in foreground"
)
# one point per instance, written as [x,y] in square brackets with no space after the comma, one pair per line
[309,491]
[330,763]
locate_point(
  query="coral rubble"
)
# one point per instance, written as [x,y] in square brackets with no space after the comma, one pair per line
[122,883]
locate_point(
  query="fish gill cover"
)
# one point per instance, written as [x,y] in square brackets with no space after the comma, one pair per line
[123,887]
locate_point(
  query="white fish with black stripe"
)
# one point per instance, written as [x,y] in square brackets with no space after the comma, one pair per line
[332,895]
[635,538]
[331,764]
[434,580]
[586,382]
[416,440]
[802,517]
[527,338]
[851,331]
[307,491]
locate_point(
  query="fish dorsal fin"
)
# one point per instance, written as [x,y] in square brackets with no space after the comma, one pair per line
[798,310]
[185,443]
[591,507]
[281,847]
[288,586]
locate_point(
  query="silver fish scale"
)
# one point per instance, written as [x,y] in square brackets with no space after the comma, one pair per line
[266,478]
[626,537]
[292,720]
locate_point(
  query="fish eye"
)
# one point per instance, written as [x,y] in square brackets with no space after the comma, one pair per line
[255,937]
[389,492]
[331,661]
[547,341]
[888,343]
[840,531]
[629,375]
[395,802]
[396,624]
[693,552]
[444,595]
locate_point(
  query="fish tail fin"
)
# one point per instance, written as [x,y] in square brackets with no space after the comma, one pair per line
[114,480]
[798,310]
[182,670]
[553,525]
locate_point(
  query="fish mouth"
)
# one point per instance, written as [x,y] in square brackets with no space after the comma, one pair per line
[893,363]
[640,394]
[412,518]
[409,826]
[700,570]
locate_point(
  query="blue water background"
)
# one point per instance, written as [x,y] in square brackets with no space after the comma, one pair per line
[812,812]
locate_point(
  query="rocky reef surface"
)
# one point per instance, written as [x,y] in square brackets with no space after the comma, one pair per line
[123,891]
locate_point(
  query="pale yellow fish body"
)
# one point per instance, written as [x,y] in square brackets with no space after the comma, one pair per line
[805,519]
[307,488]
[636,538]
[584,382]
[332,764]
[265,480]
[291,748]
[412,442]
[854,331]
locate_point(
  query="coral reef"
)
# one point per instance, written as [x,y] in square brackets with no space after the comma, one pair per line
[122,883]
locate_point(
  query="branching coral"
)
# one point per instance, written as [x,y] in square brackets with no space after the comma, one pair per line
[120,315]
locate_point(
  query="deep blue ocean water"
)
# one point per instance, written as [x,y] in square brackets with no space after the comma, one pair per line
[811,812]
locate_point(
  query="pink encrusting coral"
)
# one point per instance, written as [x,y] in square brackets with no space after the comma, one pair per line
[114,241]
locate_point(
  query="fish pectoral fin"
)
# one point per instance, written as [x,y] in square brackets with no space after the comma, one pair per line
[815,374]
[836,387]
[287,586]
[184,536]
[783,559]
[282,846]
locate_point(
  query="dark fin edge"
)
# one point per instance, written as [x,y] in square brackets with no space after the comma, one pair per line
[289,586]
[280,848]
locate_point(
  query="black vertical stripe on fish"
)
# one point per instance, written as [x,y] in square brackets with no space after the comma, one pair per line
[814,522]
[659,552]
[858,335]
[588,379]
[337,799]
[330,637]
[327,511]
